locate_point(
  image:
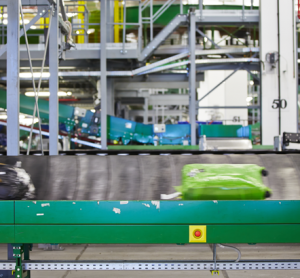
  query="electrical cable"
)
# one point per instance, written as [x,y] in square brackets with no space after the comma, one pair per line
[40,80]
[33,83]
[232,248]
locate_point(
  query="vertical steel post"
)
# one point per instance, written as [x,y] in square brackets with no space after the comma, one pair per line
[103,77]
[146,110]
[151,20]
[53,82]
[243,10]
[124,26]
[201,8]
[140,34]
[86,27]
[181,7]
[192,77]
[2,27]
[13,81]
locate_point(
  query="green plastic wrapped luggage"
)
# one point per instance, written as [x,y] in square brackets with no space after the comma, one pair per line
[223,182]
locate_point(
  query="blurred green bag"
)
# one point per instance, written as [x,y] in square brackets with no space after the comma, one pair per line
[223,182]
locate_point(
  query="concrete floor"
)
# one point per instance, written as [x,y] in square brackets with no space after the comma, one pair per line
[162,252]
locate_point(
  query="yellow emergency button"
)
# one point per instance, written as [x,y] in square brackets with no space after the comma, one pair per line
[197,233]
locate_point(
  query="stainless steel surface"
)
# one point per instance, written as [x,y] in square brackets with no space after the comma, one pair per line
[228,144]
[153,265]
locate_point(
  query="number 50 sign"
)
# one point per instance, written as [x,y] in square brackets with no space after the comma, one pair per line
[279,103]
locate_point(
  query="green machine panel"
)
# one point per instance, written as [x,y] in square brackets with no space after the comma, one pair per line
[154,234]
[149,222]
[7,220]
[157,212]
[7,212]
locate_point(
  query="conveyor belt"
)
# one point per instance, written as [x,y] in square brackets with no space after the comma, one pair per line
[143,177]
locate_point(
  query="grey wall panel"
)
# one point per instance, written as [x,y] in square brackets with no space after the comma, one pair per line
[157,177]
[283,177]
[62,179]
[92,178]
[125,177]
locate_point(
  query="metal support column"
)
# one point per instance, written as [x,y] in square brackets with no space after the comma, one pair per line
[13,82]
[146,110]
[103,77]
[192,77]
[201,8]
[53,82]
[140,31]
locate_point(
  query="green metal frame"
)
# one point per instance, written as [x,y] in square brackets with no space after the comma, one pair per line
[147,222]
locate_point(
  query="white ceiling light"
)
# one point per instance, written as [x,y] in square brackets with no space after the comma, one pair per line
[45,94]
[32,27]
[69,93]
[5,21]
[26,21]
[35,74]
[71,14]
[90,31]
[251,82]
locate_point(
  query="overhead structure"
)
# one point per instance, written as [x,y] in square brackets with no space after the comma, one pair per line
[276,69]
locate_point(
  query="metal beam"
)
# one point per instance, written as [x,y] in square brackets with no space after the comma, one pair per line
[165,33]
[227,61]
[154,99]
[179,64]
[217,46]
[192,77]
[230,107]
[53,83]
[246,66]
[63,10]
[227,17]
[103,77]
[13,82]
[27,27]
[152,113]
[28,2]
[160,63]
[228,50]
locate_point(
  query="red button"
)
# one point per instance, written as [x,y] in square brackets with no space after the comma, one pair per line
[197,233]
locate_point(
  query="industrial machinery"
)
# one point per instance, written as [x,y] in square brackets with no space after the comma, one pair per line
[147,222]
[92,213]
